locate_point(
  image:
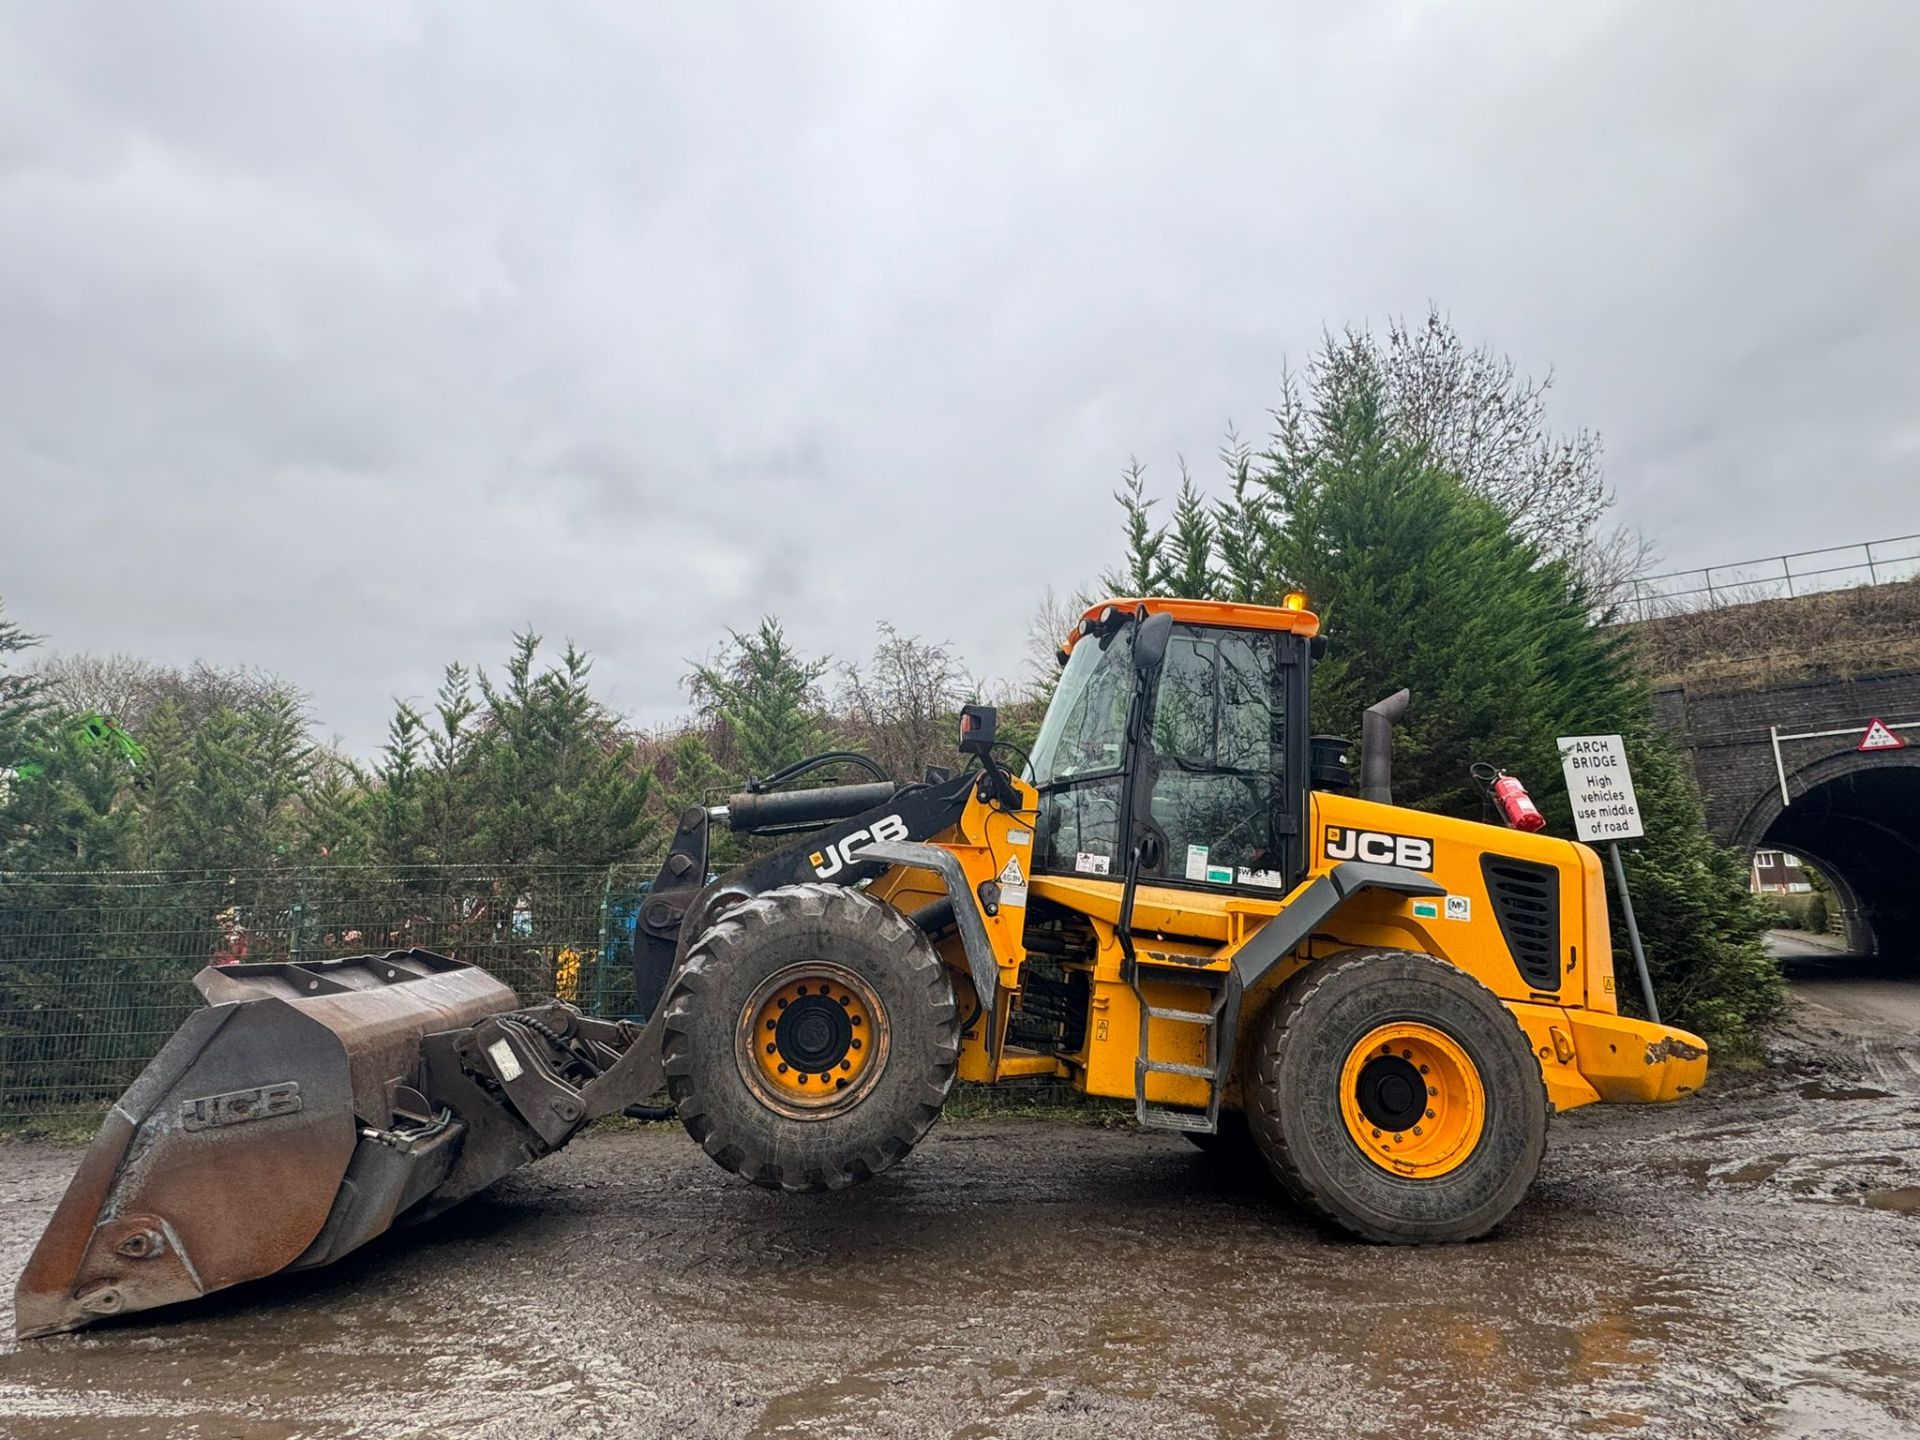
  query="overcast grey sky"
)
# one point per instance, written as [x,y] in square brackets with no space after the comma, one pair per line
[343,339]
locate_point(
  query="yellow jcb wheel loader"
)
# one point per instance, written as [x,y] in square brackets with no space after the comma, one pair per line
[1179,901]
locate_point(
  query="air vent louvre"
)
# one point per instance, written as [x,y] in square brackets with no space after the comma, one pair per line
[1526,902]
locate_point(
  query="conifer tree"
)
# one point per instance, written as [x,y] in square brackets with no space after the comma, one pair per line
[526,770]
[1424,581]
[763,698]
[1145,571]
[20,695]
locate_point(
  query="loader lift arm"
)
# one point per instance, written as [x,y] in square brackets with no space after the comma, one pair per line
[838,823]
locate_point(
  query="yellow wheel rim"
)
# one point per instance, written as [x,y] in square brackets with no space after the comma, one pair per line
[811,1041]
[1412,1100]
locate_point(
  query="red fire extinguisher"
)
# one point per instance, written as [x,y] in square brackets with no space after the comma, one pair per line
[1510,797]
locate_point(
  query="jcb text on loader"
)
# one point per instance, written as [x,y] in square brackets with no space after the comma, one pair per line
[1179,902]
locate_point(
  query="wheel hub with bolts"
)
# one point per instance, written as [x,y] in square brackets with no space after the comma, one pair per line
[812,1040]
[1412,1099]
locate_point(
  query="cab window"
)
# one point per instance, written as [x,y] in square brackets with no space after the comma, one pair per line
[1219,738]
[1077,759]
[1218,732]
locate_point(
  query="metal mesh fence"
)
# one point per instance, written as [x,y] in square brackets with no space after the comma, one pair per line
[96,969]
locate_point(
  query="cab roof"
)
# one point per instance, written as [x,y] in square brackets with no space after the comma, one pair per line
[1223,614]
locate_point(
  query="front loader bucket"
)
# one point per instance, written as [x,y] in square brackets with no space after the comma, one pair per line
[279,1128]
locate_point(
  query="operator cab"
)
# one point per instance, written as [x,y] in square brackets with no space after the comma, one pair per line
[1201,760]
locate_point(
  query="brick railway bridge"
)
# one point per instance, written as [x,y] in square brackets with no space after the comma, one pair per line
[1770,699]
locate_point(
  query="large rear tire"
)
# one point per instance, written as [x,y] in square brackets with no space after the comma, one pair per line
[1394,1095]
[811,1037]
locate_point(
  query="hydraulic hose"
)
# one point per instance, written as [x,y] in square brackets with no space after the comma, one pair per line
[818,762]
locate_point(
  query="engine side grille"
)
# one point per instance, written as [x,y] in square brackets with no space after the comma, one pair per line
[1052,1015]
[1526,902]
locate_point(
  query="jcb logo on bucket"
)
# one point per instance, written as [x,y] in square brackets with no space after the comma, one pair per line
[836,857]
[210,1112]
[1409,852]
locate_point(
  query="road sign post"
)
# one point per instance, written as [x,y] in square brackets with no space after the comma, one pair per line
[1605,809]
[1633,934]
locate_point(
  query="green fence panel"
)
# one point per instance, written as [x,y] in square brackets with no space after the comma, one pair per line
[96,969]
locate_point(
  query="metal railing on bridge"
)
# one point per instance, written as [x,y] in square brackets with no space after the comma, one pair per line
[1776,577]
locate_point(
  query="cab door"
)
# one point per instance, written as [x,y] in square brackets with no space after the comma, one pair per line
[1224,797]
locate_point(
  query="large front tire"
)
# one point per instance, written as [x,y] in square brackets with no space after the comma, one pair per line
[811,1038]
[1394,1095]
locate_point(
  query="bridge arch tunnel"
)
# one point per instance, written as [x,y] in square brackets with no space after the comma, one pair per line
[1857,818]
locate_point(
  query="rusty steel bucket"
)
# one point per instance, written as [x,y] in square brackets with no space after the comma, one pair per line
[279,1128]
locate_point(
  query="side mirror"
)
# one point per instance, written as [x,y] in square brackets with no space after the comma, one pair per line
[1150,642]
[977,724]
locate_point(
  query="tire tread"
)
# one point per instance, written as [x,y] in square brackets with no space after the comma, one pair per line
[1288,1024]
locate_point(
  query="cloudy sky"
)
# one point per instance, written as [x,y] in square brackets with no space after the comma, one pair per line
[342,340]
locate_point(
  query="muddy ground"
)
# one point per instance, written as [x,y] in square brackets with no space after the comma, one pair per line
[1747,1263]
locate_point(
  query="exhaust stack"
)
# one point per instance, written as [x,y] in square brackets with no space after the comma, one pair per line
[1376,746]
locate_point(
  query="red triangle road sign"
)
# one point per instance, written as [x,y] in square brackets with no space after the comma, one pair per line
[1880,737]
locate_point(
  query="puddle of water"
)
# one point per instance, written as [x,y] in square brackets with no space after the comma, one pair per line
[1612,1422]
[1826,1412]
[1455,1326]
[841,1406]
[199,1370]
[1818,1090]
[1901,1199]
[1703,1172]
[1755,1171]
